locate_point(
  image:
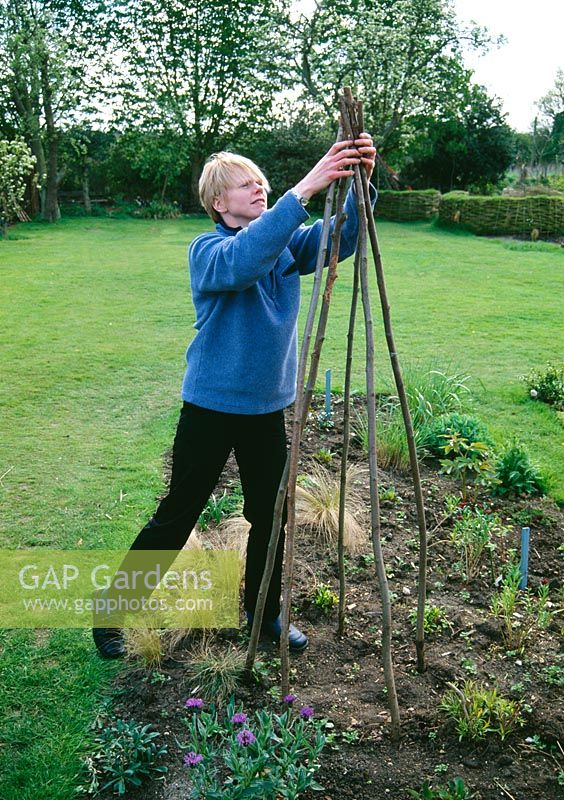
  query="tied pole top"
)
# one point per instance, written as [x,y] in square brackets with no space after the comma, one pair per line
[352,116]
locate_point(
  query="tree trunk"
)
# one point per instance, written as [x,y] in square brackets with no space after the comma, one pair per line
[86,192]
[51,212]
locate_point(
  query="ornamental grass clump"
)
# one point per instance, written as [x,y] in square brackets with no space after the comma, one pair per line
[267,755]
[478,712]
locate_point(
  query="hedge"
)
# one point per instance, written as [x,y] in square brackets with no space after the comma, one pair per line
[407,206]
[503,215]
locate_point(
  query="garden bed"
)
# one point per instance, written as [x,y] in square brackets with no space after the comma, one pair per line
[343,678]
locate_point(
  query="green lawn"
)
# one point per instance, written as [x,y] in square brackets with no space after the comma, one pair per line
[95,320]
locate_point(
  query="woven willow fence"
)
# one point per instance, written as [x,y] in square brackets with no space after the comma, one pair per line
[503,215]
[408,206]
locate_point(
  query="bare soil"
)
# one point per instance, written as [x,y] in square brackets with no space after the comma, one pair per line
[342,678]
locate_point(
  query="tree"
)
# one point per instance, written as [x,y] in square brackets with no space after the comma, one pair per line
[16,162]
[473,146]
[199,70]
[43,56]
[548,132]
[402,57]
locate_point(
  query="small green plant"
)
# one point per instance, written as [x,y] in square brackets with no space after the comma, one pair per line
[324,456]
[516,475]
[324,598]
[521,612]
[478,711]
[547,385]
[434,619]
[467,461]
[124,755]
[388,495]
[266,755]
[469,666]
[554,675]
[217,508]
[350,736]
[473,535]
[456,790]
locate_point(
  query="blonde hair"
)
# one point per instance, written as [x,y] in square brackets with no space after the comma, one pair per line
[221,172]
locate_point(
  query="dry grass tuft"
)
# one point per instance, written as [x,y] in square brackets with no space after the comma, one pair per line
[213,671]
[145,644]
[317,507]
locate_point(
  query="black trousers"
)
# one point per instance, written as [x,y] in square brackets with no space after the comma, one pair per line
[204,439]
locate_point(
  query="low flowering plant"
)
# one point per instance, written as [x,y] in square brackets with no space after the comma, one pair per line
[267,755]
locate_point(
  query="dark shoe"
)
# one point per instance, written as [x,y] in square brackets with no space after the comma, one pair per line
[296,639]
[110,642]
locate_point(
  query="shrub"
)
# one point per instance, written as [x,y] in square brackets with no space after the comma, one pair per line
[467,427]
[547,385]
[125,754]
[157,210]
[478,711]
[516,475]
[467,462]
[267,755]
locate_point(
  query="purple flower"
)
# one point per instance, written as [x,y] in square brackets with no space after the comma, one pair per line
[193,759]
[306,712]
[246,737]
[194,703]
[289,699]
[238,719]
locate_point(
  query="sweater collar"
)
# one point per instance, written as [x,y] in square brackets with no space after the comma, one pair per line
[222,227]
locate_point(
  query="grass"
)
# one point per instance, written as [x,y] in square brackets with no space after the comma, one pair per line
[96,317]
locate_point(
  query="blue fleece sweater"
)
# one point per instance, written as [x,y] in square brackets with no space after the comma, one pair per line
[246,293]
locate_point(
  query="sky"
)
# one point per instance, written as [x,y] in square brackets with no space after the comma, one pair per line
[524,69]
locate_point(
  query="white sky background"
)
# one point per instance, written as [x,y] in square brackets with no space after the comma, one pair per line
[521,71]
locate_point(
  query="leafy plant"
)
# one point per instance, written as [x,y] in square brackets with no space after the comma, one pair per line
[125,754]
[515,474]
[467,427]
[324,599]
[434,619]
[217,508]
[267,755]
[324,456]
[146,644]
[456,790]
[478,711]
[472,534]
[547,385]
[467,461]
[520,611]
[554,675]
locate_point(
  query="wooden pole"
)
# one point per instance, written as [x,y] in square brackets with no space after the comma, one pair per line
[282,489]
[345,450]
[350,127]
[300,416]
